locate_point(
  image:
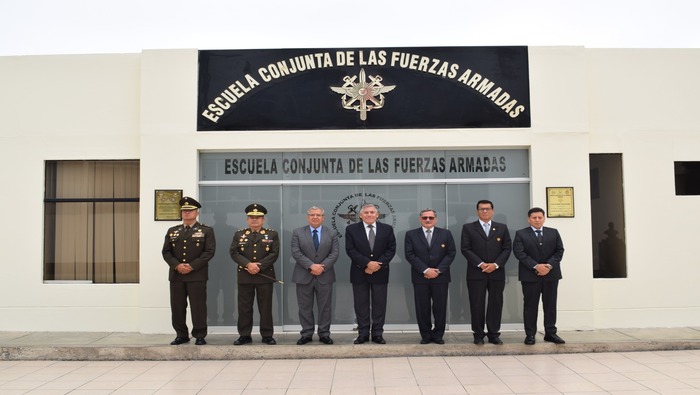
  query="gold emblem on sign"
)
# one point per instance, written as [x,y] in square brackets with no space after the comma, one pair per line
[361,95]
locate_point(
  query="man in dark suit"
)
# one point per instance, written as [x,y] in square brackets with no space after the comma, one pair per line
[315,250]
[430,251]
[255,250]
[539,251]
[187,249]
[371,246]
[486,245]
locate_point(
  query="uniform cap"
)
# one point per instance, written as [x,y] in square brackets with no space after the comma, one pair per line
[256,209]
[188,203]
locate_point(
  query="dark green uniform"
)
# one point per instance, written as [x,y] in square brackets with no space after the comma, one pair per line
[195,247]
[263,247]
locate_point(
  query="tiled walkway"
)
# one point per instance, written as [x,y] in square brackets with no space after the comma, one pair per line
[648,372]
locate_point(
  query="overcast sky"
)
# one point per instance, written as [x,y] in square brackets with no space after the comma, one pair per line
[29,27]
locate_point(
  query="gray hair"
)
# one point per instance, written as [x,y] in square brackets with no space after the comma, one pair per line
[425,210]
[323,212]
[374,206]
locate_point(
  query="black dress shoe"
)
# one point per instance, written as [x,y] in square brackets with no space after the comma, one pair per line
[495,340]
[439,341]
[269,340]
[554,339]
[529,340]
[479,340]
[180,340]
[200,341]
[423,341]
[378,339]
[361,339]
[303,340]
[243,340]
[326,340]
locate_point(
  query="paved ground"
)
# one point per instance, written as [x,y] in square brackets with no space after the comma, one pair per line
[95,346]
[620,361]
[644,372]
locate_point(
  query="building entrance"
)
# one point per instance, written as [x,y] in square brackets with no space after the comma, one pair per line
[399,200]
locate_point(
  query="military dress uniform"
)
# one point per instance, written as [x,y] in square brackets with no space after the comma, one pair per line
[195,246]
[262,246]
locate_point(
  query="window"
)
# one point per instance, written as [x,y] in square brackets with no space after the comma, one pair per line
[91,221]
[608,216]
[687,178]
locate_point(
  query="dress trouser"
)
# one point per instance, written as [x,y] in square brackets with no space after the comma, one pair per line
[483,312]
[306,293]
[531,300]
[246,297]
[427,298]
[197,293]
[364,295]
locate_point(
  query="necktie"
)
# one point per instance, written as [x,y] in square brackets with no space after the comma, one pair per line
[487,228]
[538,232]
[429,236]
[371,236]
[316,241]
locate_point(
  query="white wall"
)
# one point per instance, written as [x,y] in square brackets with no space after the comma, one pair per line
[169,146]
[636,102]
[559,158]
[644,104]
[60,107]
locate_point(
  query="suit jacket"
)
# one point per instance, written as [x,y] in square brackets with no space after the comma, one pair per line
[439,254]
[530,253]
[305,254]
[195,247]
[477,248]
[263,247]
[357,248]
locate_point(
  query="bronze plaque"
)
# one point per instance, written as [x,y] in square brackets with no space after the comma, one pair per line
[167,205]
[560,202]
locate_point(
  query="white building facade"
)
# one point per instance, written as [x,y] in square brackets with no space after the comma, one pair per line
[637,104]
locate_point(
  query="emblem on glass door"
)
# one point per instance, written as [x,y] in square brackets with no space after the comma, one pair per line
[346,213]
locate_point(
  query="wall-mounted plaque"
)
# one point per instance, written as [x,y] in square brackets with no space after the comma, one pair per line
[167,205]
[560,202]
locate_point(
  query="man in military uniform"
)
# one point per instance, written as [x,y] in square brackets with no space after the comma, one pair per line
[255,250]
[187,249]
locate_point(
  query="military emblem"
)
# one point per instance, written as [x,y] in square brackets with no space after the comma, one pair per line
[353,216]
[362,96]
[344,214]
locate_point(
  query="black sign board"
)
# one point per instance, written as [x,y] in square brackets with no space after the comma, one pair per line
[363,88]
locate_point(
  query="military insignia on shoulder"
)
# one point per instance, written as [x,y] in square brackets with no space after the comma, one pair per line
[262,231]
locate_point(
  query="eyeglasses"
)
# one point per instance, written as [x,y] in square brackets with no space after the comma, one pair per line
[427,218]
[484,209]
